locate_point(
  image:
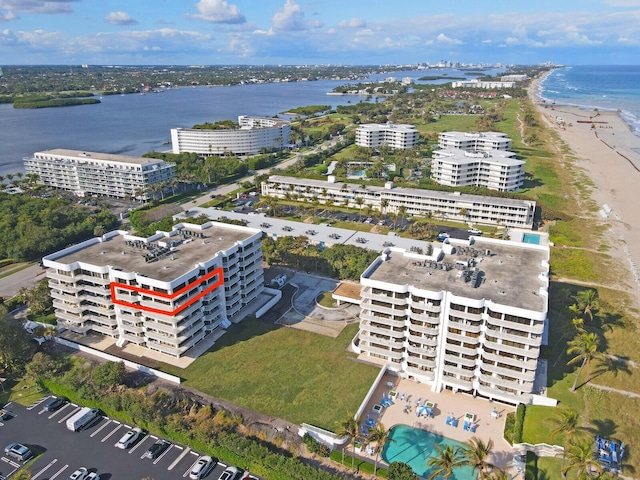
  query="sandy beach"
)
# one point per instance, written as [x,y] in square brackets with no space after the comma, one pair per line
[604,146]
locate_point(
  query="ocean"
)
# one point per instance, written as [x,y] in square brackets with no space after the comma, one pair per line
[605,87]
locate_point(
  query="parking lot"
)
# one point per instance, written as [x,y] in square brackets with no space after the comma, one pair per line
[60,451]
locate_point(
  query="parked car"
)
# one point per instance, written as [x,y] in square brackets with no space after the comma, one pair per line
[157,449]
[4,416]
[248,476]
[93,476]
[129,438]
[475,231]
[229,474]
[55,403]
[18,451]
[79,474]
[202,467]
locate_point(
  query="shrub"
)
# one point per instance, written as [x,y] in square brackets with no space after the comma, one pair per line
[509,424]
[316,447]
[519,423]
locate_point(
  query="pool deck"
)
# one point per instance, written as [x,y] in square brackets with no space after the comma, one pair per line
[446,402]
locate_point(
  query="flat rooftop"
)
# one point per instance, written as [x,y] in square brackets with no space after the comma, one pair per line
[380,191]
[508,275]
[128,255]
[108,157]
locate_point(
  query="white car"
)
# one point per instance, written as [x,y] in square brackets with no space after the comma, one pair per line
[79,474]
[93,476]
[229,474]
[202,467]
[129,438]
[474,231]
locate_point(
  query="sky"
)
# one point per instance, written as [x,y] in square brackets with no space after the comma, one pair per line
[297,32]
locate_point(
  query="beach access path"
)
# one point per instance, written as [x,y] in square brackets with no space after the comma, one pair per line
[609,154]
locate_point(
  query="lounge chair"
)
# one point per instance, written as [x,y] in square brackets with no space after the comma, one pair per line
[466,425]
[454,423]
[448,421]
[473,427]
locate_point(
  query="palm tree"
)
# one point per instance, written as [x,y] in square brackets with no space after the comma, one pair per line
[444,462]
[579,455]
[380,436]
[384,203]
[349,428]
[587,301]
[566,421]
[402,210]
[476,453]
[359,201]
[584,348]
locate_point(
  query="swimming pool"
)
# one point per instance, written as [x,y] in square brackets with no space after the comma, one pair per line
[414,446]
[531,238]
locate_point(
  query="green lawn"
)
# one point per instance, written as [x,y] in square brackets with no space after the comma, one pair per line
[287,373]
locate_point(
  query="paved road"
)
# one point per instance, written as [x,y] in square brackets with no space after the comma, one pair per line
[9,286]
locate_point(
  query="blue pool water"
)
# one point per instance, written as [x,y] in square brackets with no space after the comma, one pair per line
[414,447]
[531,238]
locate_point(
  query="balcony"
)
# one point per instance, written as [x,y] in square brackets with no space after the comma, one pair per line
[427,341]
[386,341]
[463,338]
[369,327]
[527,376]
[423,375]
[461,349]
[457,371]
[457,383]
[105,330]
[467,362]
[424,362]
[428,307]
[369,315]
[425,318]
[526,364]
[367,294]
[533,341]
[421,350]
[536,328]
[465,326]
[391,355]
[514,384]
[502,395]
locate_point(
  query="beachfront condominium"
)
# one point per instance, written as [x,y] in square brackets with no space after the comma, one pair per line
[165,292]
[468,317]
[91,173]
[456,206]
[495,169]
[397,137]
[254,135]
[474,141]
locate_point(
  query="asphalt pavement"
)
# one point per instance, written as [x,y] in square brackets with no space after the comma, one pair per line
[11,285]
[59,451]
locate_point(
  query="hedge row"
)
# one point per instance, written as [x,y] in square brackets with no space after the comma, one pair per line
[519,424]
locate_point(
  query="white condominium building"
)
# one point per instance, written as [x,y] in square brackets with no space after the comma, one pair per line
[165,292]
[254,135]
[480,209]
[495,169]
[399,137]
[86,173]
[470,317]
[481,84]
[474,141]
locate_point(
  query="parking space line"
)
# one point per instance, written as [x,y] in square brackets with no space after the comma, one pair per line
[100,429]
[190,468]
[138,444]
[35,476]
[193,453]
[161,456]
[10,462]
[112,432]
[58,411]
[55,475]
[72,412]
[180,457]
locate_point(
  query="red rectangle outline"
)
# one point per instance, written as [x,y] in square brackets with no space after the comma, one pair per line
[124,286]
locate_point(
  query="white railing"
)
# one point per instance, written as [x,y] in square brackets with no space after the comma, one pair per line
[540,449]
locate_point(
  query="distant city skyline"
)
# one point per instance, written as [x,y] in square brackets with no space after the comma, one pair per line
[294,32]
